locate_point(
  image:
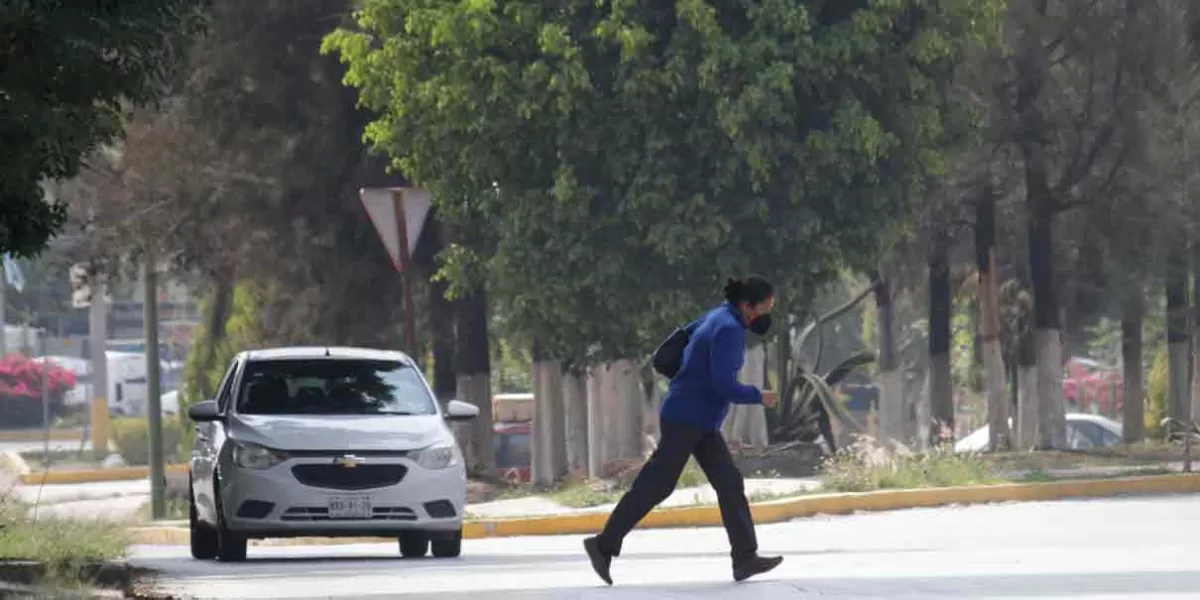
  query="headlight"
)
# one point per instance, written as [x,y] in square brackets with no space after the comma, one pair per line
[440,457]
[253,456]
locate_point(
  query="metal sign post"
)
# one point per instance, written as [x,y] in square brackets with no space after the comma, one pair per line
[399,215]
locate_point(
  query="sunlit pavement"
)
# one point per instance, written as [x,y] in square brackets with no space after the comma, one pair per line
[1117,548]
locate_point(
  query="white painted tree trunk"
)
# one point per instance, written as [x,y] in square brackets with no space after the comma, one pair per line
[892,410]
[747,424]
[598,451]
[1052,420]
[1027,409]
[549,424]
[628,402]
[999,435]
[477,390]
[575,409]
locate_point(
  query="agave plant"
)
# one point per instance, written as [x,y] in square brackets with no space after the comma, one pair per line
[809,402]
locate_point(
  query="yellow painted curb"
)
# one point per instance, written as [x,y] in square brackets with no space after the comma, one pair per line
[94,475]
[769,512]
[37,435]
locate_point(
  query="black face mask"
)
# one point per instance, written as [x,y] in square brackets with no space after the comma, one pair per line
[761,324]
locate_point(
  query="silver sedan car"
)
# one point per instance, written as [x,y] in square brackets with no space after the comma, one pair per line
[326,442]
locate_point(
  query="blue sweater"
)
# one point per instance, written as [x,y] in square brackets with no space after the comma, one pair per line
[707,382]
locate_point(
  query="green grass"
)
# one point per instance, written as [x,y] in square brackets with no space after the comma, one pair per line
[63,545]
[177,509]
[867,466]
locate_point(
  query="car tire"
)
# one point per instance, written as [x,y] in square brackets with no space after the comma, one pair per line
[231,547]
[449,546]
[414,544]
[203,537]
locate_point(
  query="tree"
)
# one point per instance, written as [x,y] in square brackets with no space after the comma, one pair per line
[68,71]
[1066,107]
[629,157]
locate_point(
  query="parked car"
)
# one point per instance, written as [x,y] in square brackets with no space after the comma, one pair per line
[1084,432]
[326,442]
[1092,386]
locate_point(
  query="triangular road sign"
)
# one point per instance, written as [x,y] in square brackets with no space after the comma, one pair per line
[381,206]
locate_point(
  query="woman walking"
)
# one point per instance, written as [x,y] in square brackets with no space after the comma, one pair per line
[692,413]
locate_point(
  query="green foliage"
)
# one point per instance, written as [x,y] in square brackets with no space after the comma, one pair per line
[131,435]
[626,157]
[867,465]
[1157,389]
[69,71]
[511,368]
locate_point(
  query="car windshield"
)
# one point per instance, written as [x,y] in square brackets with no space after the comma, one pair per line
[333,387]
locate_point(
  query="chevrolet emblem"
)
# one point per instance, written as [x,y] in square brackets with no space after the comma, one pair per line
[348,461]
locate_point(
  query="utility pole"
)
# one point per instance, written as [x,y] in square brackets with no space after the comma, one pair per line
[45,404]
[97,343]
[158,482]
[3,305]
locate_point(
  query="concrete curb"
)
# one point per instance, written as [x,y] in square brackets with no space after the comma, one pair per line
[37,435]
[766,512]
[94,475]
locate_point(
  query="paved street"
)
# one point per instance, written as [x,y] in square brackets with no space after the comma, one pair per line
[1120,548]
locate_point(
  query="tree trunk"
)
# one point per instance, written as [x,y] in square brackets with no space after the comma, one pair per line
[441,310]
[1029,399]
[1178,339]
[1033,67]
[626,390]
[549,439]
[1195,371]
[892,411]
[575,408]
[999,434]
[474,378]
[599,451]
[941,308]
[1052,426]
[747,424]
[1134,395]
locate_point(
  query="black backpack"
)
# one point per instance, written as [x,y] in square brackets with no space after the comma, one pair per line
[668,358]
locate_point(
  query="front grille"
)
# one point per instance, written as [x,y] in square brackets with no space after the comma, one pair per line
[320,513]
[336,477]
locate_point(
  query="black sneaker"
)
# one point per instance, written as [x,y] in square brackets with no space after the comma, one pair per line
[755,565]
[600,561]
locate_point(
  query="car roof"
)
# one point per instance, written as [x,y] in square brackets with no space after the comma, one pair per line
[321,352]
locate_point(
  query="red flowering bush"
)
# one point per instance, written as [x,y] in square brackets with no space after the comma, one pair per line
[21,390]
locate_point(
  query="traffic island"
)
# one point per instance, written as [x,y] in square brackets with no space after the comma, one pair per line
[39,554]
[771,511]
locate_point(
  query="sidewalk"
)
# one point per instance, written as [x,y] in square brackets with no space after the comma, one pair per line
[120,500]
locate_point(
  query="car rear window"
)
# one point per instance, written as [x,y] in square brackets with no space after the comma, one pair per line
[333,387]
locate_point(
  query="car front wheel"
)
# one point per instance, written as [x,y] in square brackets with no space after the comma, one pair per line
[203,537]
[414,544]
[448,545]
[231,547]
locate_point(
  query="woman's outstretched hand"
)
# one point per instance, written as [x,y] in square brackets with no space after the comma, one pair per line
[770,398]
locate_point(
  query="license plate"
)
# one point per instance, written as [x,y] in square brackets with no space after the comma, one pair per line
[350,507]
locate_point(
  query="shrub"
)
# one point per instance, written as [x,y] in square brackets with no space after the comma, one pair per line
[867,465]
[132,438]
[21,390]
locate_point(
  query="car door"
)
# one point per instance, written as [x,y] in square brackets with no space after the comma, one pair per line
[207,446]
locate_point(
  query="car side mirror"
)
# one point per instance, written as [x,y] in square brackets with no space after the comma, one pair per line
[204,412]
[461,411]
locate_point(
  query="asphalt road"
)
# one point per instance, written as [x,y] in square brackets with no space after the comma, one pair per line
[1146,548]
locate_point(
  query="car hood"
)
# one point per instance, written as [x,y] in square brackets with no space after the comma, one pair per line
[340,432]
